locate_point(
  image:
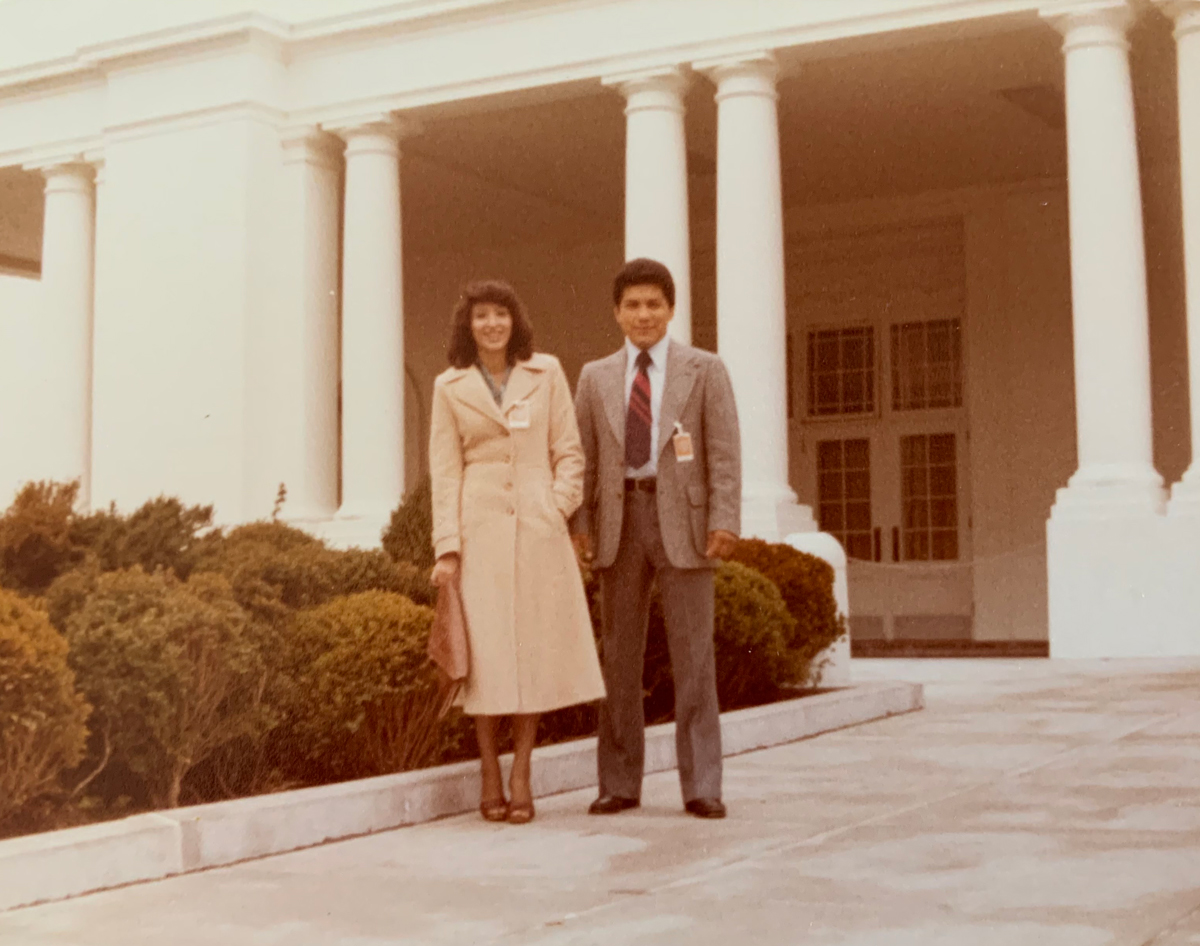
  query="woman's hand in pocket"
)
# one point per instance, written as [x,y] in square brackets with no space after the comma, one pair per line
[445,569]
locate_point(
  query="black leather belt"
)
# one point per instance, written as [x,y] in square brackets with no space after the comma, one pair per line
[645,484]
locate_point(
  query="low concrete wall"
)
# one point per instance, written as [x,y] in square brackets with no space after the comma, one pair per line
[66,863]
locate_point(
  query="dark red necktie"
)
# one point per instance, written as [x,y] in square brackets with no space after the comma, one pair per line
[639,418]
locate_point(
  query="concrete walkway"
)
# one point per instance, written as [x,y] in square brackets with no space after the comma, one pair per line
[1032,802]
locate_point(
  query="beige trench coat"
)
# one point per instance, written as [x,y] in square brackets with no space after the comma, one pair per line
[501,499]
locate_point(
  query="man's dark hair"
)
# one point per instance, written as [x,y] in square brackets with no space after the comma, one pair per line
[644,272]
[463,352]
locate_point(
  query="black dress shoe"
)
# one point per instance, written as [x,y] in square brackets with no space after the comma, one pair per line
[706,808]
[611,804]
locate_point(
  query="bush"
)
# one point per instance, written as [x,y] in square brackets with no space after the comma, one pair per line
[409,534]
[270,582]
[751,628]
[36,540]
[161,533]
[42,714]
[363,702]
[173,670]
[806,584]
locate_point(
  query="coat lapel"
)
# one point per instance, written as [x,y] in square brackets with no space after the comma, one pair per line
[526,377]
[470,390]
[681,377]
[610,379]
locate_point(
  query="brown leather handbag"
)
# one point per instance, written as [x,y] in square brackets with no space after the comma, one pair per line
[448,647]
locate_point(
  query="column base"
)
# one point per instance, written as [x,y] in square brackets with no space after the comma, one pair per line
[833,663]
[1185,496]
[1123,586]
[772,514]
[1108,492]
[355,529]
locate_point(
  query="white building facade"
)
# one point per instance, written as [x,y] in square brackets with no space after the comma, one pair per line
[948,249]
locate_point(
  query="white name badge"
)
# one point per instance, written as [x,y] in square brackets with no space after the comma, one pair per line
[518,416]
[683,445]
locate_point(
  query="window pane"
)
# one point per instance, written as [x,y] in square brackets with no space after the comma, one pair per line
[831,517]
[941,448]
[829,454]
[926,365]
[858,516]
[858,454]
[830,485]
[841,368]
[858,484]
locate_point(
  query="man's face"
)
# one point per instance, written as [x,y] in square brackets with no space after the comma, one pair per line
[644,314]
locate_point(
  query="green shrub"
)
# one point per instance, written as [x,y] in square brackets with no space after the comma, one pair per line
[362,698]
[36,540]
[173,669]
[161,533]
[806,584]
[270,582]
[751,628]
[409,533]
[42,715]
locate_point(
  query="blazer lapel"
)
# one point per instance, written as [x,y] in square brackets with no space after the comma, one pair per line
[525,378]
[471,391]
[681,377]
[610,379]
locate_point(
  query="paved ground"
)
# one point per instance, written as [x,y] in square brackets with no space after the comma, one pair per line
[1031,803]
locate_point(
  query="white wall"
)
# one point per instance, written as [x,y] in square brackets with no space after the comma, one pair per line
[23,454]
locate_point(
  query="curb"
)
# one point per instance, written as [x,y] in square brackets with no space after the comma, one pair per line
[60,864]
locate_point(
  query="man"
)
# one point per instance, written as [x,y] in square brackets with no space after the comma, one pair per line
[662,497]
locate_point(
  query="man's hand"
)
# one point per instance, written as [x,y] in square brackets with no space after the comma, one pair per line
[446,569]
[583,547]
[720,544]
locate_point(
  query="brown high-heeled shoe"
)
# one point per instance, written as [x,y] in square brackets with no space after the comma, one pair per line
[496,809]
[520,813]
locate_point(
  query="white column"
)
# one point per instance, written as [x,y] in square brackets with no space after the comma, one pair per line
[1185,495]
[303,422]
[372,332]
[1116,472]
[751,309]
[656,181]
[68,241]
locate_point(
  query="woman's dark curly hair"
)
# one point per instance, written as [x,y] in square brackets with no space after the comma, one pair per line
[463,351]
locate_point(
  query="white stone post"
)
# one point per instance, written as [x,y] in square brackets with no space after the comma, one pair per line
[68,260]
[303,404]
[751,308]
[656,181]
[1116,474]
[1185,495]
[372,332]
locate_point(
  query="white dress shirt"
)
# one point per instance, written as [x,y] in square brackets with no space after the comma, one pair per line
[657,372]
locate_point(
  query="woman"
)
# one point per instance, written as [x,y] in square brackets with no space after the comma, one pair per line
[507,470]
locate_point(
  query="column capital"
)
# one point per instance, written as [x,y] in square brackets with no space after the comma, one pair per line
[1091,23]
[310,144]
[65,176]
[661,88]
[1185,13]
[371,123]
[753,74]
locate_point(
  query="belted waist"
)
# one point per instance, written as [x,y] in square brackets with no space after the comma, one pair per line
[644,484]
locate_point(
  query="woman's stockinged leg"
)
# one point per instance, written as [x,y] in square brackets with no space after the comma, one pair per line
[524,735]
[491,796]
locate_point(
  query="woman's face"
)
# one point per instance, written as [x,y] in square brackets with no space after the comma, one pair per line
[491,326]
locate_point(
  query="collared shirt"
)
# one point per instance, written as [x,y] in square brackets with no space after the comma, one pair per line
[657,372]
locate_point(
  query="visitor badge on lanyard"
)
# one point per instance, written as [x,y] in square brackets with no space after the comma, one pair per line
[683,445]
[518,416]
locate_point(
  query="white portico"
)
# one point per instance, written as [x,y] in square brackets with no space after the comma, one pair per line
[941,247]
